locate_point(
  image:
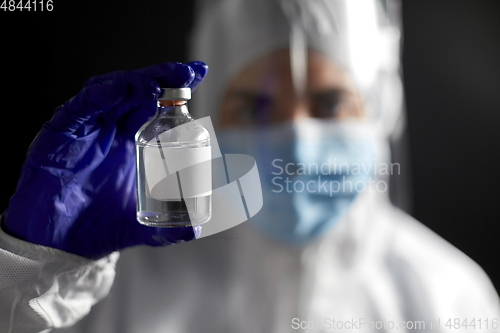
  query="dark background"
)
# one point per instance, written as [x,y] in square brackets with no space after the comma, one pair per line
[451,65]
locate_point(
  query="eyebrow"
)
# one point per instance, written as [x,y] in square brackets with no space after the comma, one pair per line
[251,95]
[329,92]
[261,101]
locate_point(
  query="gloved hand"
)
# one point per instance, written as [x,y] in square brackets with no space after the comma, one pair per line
[77,189]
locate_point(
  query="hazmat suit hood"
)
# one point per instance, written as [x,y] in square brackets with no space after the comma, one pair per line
[361,37]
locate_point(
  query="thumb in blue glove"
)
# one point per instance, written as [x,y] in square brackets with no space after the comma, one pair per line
[76,191]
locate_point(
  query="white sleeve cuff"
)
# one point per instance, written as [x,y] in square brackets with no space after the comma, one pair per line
[43,288]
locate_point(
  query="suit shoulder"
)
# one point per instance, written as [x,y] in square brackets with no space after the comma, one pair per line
[423,260]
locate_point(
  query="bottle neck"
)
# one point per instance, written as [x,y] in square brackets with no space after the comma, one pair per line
[172,109]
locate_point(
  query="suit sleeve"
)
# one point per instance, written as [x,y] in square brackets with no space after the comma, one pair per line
[43,288]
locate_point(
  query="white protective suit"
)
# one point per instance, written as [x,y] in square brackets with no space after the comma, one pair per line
[377,270]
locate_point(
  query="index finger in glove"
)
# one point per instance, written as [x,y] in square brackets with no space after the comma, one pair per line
[103,92]
[87,103]
[176,74]
[171,74]
[141,88]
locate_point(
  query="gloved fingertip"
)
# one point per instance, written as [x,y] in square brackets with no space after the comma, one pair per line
[156,87]
[197,231]
[178,75]
[175,235]
[200,69]
[185,233]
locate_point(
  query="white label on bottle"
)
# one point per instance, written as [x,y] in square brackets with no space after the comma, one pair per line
[181,158]
[191,166]
[196,181]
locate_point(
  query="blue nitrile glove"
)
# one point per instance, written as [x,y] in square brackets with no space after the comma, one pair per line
[77,189]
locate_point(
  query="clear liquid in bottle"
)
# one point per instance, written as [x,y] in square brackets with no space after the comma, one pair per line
[173,166]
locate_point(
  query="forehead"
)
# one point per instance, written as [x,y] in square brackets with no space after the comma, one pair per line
[272,72]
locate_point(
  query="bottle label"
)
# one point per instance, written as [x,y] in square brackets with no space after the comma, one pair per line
[175,173]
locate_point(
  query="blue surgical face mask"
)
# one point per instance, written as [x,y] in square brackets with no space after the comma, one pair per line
[311,171]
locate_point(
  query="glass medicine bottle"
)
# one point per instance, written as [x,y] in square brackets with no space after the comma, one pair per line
[173,156]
